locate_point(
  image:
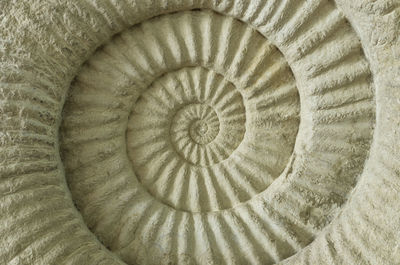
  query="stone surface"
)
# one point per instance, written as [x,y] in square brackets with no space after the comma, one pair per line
[200,132]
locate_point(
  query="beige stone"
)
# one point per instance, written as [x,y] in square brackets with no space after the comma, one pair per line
[200,132]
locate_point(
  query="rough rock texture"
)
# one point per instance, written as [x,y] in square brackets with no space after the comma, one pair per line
[200,132]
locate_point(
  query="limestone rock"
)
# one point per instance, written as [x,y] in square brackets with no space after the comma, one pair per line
[200,132]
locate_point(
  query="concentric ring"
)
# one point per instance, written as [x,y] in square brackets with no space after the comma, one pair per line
[197,121]
[176,116]
[172,167]
[254,96]
[260,226]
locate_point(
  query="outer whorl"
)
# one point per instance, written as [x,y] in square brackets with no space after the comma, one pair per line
[199,132]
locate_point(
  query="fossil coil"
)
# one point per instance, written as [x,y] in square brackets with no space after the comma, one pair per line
[175,130]
[192,132]
[206,125]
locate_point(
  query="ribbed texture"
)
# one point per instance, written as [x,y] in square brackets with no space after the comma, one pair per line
[210,112]
[210,122]
[251,203]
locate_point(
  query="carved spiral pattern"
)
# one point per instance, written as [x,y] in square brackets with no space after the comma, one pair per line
[201,129]
[192,132]
[203,137]
[201,132]
[188,131]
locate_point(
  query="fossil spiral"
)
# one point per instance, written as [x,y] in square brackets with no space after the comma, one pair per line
[192,132]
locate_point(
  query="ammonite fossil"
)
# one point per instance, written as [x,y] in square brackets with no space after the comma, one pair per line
[199,132]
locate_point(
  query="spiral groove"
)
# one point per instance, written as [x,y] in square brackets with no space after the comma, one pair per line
[201,132]
[193,127]
[183,123]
